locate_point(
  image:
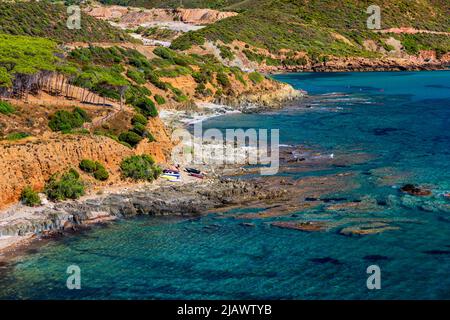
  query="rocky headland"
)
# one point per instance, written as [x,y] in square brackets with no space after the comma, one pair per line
[191,199]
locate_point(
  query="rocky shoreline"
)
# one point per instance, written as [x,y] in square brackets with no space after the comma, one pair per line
[186,200]
[355,64]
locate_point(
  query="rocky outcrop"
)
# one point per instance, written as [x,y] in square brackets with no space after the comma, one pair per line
[425,61]
[184,200]
[275,97]
[415,190]
[136,16]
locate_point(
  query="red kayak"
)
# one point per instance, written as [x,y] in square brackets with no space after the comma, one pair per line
[200,176]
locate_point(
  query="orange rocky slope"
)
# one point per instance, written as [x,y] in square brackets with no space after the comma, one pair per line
[33,160]
[135,16]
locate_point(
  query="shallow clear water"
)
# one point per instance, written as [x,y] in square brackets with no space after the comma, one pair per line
[400,121]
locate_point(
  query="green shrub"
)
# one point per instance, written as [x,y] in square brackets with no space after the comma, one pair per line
[136,76]
[63,120]
[6,108]
[139,118]
[101,173]
[94,167]
[147,107]
[187,40]
[200,77]
[65,186]
[17,136]
[159,99]
[139,129]
[129,137]
[226,53]
[140,168]
[223,80]
[256,77]
[30,197]
[88,166]
[150,137]
[82,113]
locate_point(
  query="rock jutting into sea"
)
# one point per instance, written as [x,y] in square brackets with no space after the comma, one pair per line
[191,199]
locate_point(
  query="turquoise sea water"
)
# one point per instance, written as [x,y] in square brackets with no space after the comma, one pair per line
[401,121]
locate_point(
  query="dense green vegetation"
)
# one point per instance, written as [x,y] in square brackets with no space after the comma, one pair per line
[63,120]
[88,166]
[22,56]
[64,186]
[45,19]
[17,136]
[6,108]
[156,33]
[311,25]
[256,77]
[94,167]
[159,99]
[30,197]
[213,4]
[140,168]
[130,138]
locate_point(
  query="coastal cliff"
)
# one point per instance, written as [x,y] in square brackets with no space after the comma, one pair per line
[33,161]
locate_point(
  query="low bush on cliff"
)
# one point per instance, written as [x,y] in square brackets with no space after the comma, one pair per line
[17,136]
[226,53]
[147,107]
[256,77]
[139,118]
[88,166]
[223,80]
[101,173]
[6,108]
[129,137]
[30,197]
[140,168]
[94,167]
[65,186]
[63,120]
[159,99]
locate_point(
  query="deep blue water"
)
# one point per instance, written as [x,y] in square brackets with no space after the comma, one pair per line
[400,121]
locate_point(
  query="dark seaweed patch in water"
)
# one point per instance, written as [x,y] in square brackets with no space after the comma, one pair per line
[437,86]
[310,199]
[437,252]
[443,219]
[340,166]
[375,257]
[326,260]
[381,203]
[383,131]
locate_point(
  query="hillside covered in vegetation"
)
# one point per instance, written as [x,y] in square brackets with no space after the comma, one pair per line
[212,4]
[325,27]
[45,19]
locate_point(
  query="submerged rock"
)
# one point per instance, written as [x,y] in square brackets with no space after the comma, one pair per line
[366,229]
[309,226]
[415,191]
[247,224]
[184,200]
